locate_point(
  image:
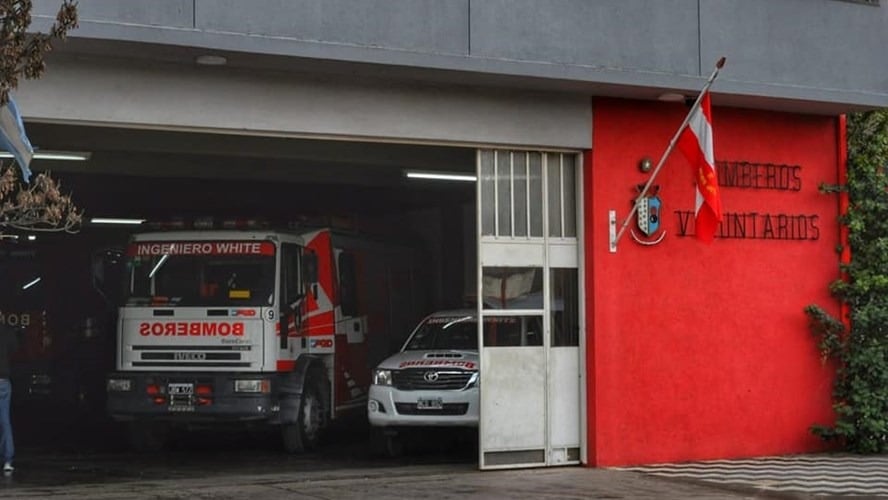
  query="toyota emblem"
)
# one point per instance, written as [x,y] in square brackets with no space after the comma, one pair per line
[430,376]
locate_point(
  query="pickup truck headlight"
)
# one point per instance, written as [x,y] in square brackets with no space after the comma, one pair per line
[474,381]
[382,377]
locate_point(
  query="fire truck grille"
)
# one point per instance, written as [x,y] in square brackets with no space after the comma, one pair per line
[190,357]
[417,379]
[446,409]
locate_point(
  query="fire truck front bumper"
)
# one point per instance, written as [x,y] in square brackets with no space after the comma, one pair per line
[192,397]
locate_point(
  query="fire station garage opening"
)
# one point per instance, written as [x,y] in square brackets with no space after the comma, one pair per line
[173,177]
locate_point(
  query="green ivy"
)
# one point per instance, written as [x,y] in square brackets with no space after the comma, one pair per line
[860,393]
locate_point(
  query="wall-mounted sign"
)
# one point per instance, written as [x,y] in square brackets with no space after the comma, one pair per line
[758,225]
[647,217]
[749,175]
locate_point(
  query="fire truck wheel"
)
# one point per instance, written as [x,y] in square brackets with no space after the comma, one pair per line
[305,433]
[147,436]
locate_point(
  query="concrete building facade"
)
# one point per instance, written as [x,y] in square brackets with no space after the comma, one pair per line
[686,350]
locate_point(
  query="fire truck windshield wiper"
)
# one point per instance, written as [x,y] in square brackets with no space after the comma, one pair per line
[157,266]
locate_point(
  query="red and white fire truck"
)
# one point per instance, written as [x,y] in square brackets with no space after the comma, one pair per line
[45,291]
[256,327]
[23,306]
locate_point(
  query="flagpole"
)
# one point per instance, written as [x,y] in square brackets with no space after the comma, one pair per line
[718,65]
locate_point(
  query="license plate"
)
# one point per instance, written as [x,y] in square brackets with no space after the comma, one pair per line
[180,389]
[181,396]
[429,404]
[181,409]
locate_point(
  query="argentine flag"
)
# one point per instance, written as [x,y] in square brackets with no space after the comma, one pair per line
[13,138]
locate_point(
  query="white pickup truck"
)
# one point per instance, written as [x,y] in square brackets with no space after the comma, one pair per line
[431,382]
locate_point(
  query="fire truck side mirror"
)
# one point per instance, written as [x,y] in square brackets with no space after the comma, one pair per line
[310,273]
[310,268]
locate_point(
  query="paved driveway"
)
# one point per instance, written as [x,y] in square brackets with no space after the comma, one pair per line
[838,475]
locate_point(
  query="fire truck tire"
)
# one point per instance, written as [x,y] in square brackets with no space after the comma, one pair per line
[146,437]
[305,434]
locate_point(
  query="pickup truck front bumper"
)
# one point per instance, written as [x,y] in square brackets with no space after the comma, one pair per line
[388,406]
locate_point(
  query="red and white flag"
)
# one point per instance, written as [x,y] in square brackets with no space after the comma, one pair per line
[696,144]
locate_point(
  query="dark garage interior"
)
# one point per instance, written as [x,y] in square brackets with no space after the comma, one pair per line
[163,176]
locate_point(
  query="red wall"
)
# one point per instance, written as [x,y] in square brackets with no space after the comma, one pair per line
[702,351]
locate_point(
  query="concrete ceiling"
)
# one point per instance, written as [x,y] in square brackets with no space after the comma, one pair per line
[129,51]
[156,174]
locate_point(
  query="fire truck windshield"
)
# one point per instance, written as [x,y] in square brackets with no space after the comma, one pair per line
[190,279]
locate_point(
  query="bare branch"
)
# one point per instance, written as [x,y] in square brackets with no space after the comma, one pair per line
[22,54]
[40,206]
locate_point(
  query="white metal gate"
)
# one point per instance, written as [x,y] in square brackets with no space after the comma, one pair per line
[529,296]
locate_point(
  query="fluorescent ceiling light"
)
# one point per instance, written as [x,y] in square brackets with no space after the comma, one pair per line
[440,176]
[115,220]
[211,60]
[32,283]
[54,155]
[157,266]
[672,97]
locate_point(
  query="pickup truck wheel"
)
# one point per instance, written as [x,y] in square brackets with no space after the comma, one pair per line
[305,434]
[147,437]
[388,443]
[395,446]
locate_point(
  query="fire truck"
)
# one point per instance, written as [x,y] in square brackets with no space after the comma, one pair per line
[23,307]
[46,293]
[257,328]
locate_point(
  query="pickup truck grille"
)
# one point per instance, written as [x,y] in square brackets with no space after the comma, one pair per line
[446,409]
[417,379]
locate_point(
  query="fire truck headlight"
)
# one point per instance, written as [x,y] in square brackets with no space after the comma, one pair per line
[382,377]
[119,385]
[255,385]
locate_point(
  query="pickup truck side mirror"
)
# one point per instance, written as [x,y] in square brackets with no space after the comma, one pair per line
[107,267]
[395,345]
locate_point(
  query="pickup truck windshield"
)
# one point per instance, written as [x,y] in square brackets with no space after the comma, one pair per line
[458,333]
[201,273]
